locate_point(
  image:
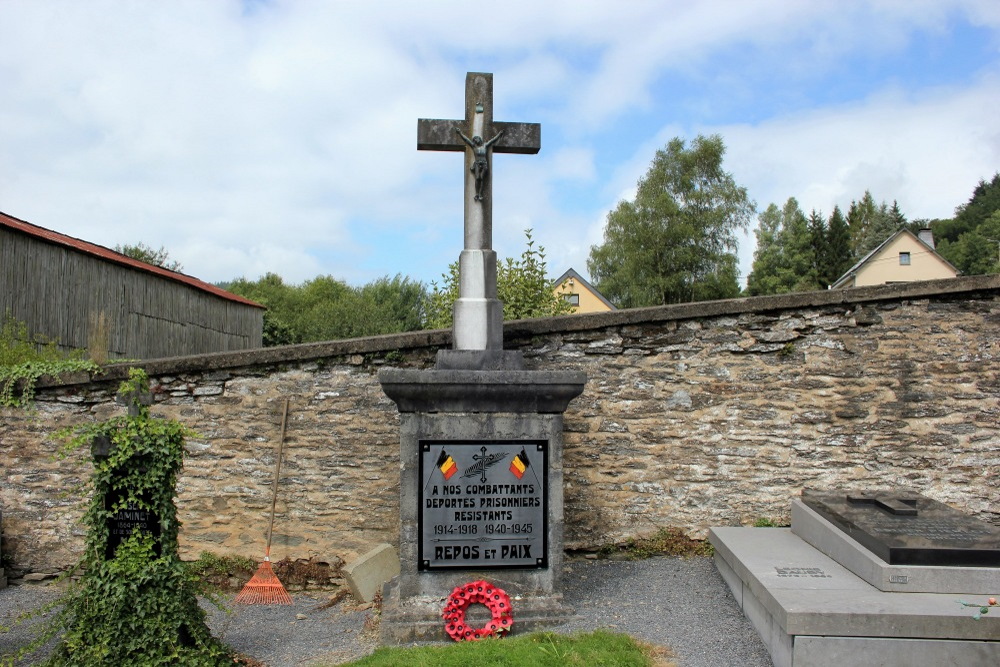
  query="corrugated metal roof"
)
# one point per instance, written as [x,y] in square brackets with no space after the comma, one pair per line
[116,257]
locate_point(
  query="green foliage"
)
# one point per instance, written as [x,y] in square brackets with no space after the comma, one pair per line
[970,241]
[976,252]
[795,253]
[137,608]
[325,308]
[788,250]
[838,247]
[147,254]
[521,286]
[765,522]
[985,200]
[540,649]
[870,224]
[217,572]
[25,358]
[677,241]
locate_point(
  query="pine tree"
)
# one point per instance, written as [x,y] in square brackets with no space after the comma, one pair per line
[838,244]
[820,248]
[870,224]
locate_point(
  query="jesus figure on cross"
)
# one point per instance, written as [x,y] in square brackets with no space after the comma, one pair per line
[480,165]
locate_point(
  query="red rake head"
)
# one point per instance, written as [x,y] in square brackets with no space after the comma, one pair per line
[264,587]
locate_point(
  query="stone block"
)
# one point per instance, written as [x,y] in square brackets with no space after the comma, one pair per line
[366,575]
[839,651]
[811,611]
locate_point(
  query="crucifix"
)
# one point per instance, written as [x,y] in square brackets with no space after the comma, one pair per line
[478,313]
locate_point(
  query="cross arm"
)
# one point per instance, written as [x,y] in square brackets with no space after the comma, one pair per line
[524,138]
[441,135]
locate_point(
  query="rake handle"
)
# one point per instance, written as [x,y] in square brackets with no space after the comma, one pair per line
[277,474]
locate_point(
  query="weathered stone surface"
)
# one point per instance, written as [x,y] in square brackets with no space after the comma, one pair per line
[675,429]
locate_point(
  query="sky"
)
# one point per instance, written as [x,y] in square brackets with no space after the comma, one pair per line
[256,136]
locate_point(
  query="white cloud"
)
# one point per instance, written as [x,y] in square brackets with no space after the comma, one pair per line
[926,151]
[280,136]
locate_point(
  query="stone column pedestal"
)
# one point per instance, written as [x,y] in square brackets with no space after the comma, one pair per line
[476,398]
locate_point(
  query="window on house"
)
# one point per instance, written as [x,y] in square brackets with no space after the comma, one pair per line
[572,299]
[904,259]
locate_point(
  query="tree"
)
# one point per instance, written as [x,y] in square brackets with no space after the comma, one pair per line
[838,247]
[522,287]
[145,253]
[977,251]
[767,257]
[969,241]
[870,224]
[785,259]
[677,241]
[819,240]
[325,308]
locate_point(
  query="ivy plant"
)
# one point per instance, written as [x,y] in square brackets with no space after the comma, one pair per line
[25,358]
[135,603]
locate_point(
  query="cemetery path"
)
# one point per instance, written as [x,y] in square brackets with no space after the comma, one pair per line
[683,604]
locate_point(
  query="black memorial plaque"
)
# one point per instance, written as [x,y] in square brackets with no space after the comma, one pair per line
[483,504]
[128,520]
[905,528]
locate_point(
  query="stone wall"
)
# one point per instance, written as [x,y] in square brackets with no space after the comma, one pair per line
[694,415]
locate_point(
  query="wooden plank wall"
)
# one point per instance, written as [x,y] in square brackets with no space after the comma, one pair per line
[59,292]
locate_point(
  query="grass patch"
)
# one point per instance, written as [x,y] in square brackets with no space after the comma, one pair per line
[765,522]
[541,649]
[664,542]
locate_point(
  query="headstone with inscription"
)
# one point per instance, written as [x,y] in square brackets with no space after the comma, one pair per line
[481,494]
[906,528]
[126,517]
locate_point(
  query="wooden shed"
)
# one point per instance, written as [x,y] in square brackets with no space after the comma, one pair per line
[90,297]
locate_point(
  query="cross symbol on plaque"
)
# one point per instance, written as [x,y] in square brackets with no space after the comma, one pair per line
[478,313]
[899,506]
[477,457]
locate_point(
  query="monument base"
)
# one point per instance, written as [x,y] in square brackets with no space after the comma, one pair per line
[481,488]
[813,612]
[419,618]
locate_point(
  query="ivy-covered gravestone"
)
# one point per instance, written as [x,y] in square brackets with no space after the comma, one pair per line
[135,603]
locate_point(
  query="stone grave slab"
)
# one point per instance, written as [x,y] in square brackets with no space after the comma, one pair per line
[905,528]
[810,610]
[828,538]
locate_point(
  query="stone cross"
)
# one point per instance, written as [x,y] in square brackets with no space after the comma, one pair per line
[478,312]
[134,401]
[904,506]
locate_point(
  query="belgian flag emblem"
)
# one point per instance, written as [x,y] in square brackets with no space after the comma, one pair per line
[447,465]
[519,464]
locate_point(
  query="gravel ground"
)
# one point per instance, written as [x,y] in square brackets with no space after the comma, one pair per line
[683,604]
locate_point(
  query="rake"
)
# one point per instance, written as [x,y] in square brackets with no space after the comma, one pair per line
[264,586]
